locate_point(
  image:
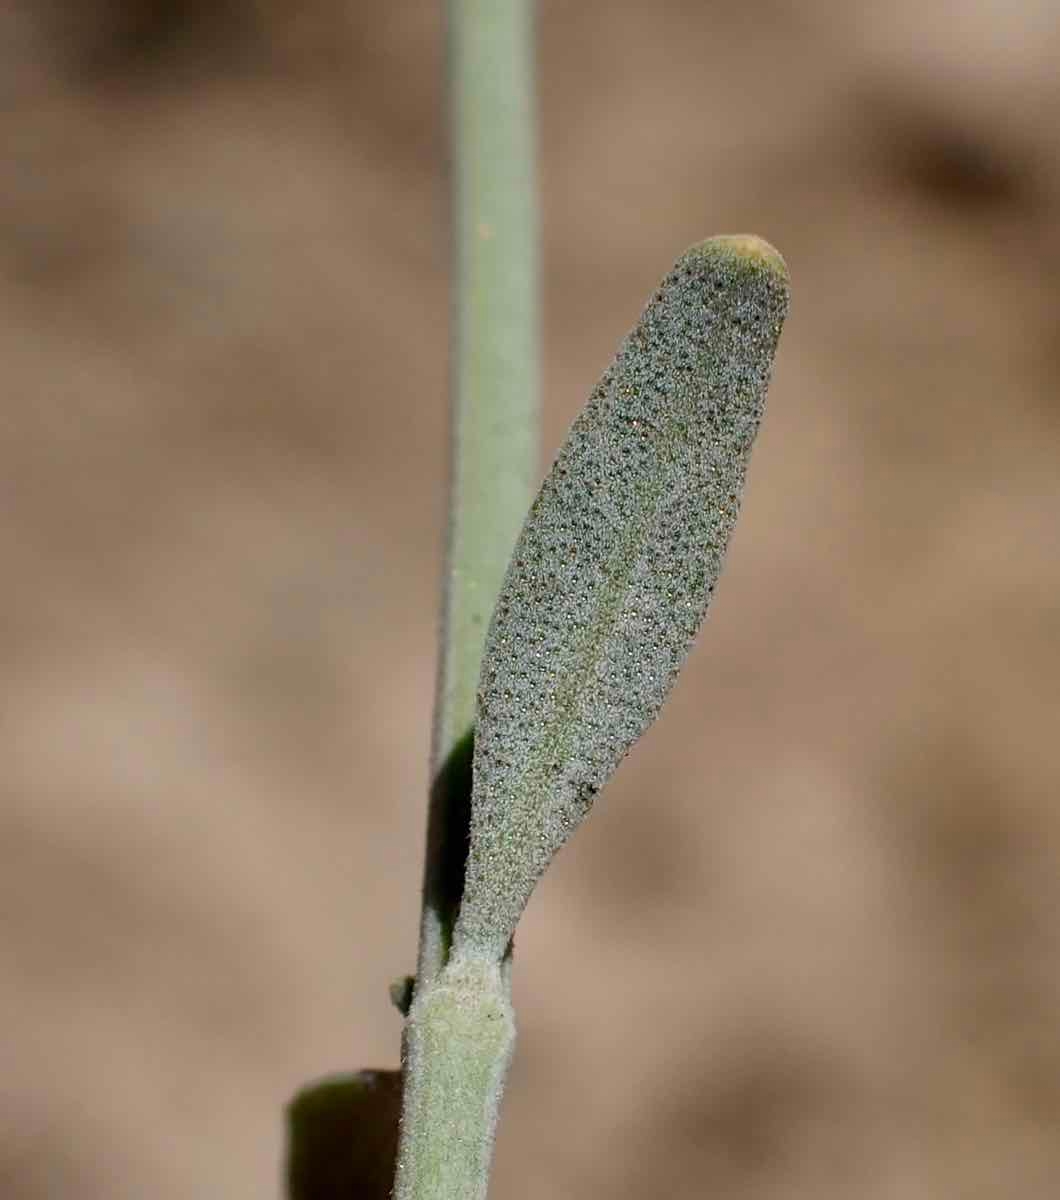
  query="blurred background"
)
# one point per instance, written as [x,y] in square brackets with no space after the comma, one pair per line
[809,943]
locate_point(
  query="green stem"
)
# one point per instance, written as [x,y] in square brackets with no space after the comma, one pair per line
[461,1029]
[493,453]
[458,1043]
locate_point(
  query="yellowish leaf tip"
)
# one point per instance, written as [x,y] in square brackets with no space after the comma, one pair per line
[749,247]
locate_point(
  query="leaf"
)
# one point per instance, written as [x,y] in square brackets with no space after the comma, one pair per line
[615,567]
[342,1137]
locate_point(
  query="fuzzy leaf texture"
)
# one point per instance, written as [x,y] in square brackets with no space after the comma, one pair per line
[615,567]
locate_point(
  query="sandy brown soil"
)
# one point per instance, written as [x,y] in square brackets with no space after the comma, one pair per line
[809,944]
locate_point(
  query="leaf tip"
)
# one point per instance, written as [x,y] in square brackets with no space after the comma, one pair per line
[745,248]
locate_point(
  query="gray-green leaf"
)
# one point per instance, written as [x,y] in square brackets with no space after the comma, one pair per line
[615,567]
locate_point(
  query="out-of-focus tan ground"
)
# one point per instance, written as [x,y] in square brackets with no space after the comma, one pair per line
[809,944]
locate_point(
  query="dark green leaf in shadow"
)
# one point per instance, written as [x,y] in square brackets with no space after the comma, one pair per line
[342,1137]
